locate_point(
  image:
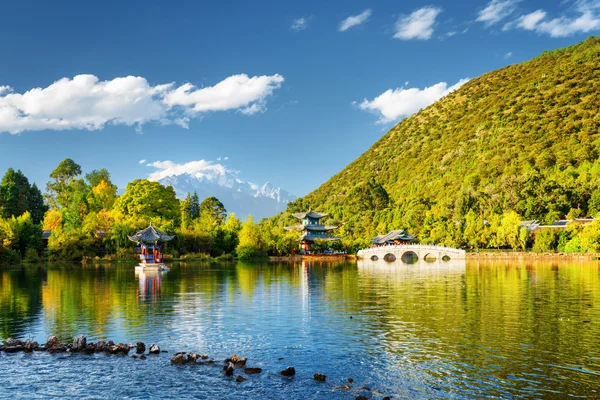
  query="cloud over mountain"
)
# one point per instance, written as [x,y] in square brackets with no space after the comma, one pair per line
[85,102]
[402,102]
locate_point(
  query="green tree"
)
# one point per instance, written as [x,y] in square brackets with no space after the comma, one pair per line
[63,175]
[194,206]
[148,201]
[212,207]
[14,194]
[250,245]
[37,208]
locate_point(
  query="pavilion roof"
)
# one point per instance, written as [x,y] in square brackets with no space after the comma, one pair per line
[314,227]
[150,234]
[312,238]
[392,236]
[309,214]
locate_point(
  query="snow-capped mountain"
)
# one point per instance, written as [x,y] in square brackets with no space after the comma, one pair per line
[243,198]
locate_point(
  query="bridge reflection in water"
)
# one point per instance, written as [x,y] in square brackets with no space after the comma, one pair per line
[420,269]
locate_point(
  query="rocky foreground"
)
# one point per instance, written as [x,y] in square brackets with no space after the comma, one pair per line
[231,365]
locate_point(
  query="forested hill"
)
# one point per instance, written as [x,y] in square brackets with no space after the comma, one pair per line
[524,138]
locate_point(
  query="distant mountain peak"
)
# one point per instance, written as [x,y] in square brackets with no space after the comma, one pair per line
[243,198]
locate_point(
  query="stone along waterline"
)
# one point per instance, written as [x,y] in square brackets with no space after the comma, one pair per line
[416,330]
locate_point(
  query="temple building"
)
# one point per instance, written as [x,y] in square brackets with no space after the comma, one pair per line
[149,246]
[394,237]
[311,229]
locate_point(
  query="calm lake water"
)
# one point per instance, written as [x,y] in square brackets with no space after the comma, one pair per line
[440,330]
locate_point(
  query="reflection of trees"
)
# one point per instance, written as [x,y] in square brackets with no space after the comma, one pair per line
[20,299]
[509,321]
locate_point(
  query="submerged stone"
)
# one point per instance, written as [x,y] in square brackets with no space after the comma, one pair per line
[320,377]
[79,343]
[179,359]
[240,378]
[154,349]
[228,369]
[252,371]
[140,347]
[289,371]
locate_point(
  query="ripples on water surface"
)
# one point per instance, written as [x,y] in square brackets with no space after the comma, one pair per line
[437,330]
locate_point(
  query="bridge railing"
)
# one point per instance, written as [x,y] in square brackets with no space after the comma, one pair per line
[411,247]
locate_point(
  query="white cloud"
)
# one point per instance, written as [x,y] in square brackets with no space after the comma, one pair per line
[299,24]
[585,18]
[355,20]
[508,55]
[530,21]
[392,105]
[209,170]
[418,25]
[237,92]
[85,102]
[496,11]
[142,162]
[226,158]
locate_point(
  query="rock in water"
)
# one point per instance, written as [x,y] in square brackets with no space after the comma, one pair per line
[13,345]
[120,348]
[240,378]
[228,369]
[179,359]
[193,357]
[241,362]
[29,346]
[320,377]
[252,371]
[289,371]
[140,347]
[361,397]
[52,341]
[142,357]
[100,345]
[90,348]
[79,343]
[154,349]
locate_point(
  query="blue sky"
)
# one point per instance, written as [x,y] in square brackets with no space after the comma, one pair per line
[288,92]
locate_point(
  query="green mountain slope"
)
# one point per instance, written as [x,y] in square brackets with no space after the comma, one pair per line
[524,138]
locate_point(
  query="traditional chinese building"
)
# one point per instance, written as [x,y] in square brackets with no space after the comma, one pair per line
[312,229]
[394,237]
[149,245]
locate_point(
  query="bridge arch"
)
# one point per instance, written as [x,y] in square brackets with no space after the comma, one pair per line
[374,257]
[409,257]
[430,257]
[446,257]
[389,257]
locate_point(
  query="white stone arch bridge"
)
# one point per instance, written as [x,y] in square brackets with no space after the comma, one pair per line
[411,253]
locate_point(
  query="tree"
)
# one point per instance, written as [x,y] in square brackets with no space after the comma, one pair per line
[212,207]
[148,200]
[250,245]
[194,206]
[37,208]
[96,176]
[14,194]
[59,191]
[104,195]
[186,218]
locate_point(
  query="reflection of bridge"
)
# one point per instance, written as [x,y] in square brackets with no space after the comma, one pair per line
[411,253]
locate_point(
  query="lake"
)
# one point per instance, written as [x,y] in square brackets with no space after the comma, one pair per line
[425,330]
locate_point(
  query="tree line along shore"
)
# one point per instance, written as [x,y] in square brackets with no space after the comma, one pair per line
[81,217]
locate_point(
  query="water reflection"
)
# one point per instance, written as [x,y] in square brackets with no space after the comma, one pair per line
[149,283]
[439,329]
